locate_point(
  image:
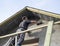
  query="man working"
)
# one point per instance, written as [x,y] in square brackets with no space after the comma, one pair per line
[23,26]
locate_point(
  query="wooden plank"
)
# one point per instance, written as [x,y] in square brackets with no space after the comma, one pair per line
[30,41]
[13,34]
[38,27]
[44,12]
[57,22]
[33,44]
[48,34]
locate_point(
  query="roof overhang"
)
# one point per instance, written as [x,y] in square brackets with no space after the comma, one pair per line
[43,12]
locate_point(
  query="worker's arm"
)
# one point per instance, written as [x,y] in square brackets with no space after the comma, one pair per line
[33,21]
[37,22]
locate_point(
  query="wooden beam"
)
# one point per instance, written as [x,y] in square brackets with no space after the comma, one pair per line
[13,34]
[48,34]
[33,44]
[44,12]
[38,27]
[30,41]
[58,22]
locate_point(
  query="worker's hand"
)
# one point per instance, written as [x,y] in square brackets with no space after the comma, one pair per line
[39,22]
[29,32]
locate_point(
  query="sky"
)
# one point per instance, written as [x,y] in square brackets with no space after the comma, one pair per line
[10,7]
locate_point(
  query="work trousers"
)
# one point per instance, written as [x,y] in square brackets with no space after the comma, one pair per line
[20,37]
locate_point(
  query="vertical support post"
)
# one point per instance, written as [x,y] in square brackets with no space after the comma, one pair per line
[15,40]
[48,34]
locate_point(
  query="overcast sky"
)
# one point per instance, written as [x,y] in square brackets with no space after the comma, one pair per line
[10,7]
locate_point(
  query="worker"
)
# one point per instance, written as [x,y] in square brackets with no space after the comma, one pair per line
[23,26]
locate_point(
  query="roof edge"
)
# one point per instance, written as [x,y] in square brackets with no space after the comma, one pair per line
[9,18]
[43,12]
